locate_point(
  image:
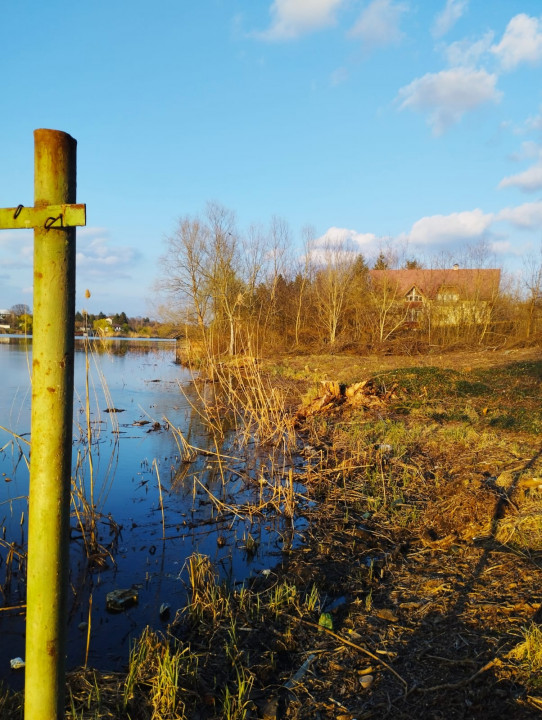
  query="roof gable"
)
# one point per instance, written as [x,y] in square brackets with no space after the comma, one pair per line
[470,283]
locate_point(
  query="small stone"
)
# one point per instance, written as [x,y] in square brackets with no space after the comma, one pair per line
[165,609]
[119,600]
[269,710]
[366,681]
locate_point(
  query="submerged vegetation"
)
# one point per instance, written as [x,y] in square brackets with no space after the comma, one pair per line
[414,591]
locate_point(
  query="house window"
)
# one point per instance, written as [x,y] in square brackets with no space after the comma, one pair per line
[448,295]
[413,296]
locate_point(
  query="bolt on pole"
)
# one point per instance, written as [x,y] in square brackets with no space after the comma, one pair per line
[51,429]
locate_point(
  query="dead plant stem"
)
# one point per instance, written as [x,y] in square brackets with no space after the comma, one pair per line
[89,625]
[359,648]
[155,464]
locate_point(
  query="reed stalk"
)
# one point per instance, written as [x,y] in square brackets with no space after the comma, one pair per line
[155,465]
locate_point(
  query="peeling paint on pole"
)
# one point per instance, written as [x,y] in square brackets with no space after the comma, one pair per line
[51,429]
[53,218]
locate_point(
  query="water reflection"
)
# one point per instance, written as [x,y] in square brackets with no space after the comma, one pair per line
[152,486]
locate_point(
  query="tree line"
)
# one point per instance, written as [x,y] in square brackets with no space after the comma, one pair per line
[19,320]
[117,322]
[235,292]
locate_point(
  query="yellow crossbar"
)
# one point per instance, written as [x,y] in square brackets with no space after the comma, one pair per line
[50,216]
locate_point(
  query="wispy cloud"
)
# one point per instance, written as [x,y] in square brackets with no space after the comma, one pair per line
[292,18]
[526,217]
[448,16]
[432,235]
[338,245]
[338,76]
[521,42]
[99,258]
[468,53]
[344,237]
[529,180]
[446,96]
[378,24]
[534,122]
[528,150]
[17,247]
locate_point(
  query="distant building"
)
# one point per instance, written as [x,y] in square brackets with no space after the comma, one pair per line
[448,297]
[5,317]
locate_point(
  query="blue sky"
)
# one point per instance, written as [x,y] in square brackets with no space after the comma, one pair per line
[410,123]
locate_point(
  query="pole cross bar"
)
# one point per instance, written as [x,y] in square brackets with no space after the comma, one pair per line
[48,216]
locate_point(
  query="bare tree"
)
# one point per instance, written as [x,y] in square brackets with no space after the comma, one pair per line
[332,284]
[19,309]
[388,310]
[532,279]
[225,283]
[254,270]
[200,271]
[185,270]
[303,277]
[278,243]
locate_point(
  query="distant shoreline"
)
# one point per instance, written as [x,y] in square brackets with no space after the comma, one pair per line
[137,338]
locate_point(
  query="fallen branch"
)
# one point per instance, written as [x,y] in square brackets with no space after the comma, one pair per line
[359,648]
[461,683]
[13,607]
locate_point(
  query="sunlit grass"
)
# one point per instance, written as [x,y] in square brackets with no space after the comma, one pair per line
[529,654]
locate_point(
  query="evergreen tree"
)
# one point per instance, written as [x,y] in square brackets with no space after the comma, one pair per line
[413,265]
[381,263]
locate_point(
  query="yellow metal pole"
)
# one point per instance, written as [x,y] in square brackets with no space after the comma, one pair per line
[51,430]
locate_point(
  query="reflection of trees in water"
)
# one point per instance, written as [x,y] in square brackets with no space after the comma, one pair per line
[121,347]
[111,346]
[18,343]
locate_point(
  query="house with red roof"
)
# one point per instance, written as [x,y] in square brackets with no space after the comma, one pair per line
[444,296]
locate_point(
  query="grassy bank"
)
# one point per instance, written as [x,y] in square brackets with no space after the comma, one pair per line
[416,593]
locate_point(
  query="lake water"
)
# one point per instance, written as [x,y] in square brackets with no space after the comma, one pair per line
[131,447]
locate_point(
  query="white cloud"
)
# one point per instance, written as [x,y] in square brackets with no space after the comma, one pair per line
[17,247]
[448,17]
[378,24]
[97,258]
[343,237]
[501,247]
[467,53]
[521,42]
[436,234]
[440,229]
[449,94]
[528,149]
[526,217]
[529,180]
[337,245]
[292,18]
[534,122]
